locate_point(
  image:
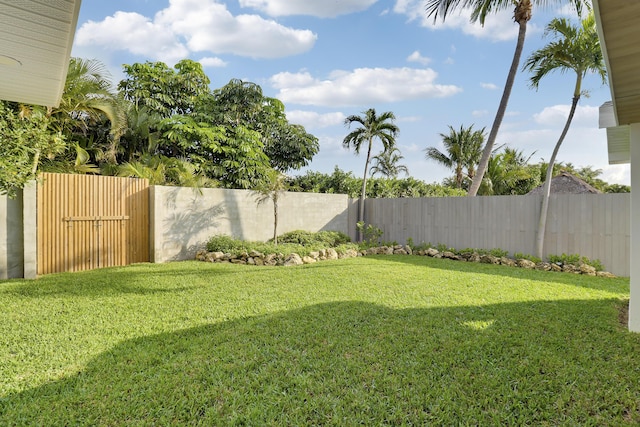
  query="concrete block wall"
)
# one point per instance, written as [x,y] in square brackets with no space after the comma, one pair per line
[183,219]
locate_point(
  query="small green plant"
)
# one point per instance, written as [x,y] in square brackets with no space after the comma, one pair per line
[520,255]
[370,232]
[575,259]
[326,238]
[224,243]
[497,252]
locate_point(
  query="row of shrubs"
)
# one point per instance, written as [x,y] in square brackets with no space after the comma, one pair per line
[305,242]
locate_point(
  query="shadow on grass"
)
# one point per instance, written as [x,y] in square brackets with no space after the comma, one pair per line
[599,283]
[142,279]
[347,363]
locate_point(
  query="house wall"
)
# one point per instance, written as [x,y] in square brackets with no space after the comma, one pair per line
[11,237]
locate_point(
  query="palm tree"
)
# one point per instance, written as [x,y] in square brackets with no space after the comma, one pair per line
[387,164]
[372,127]
[521,15]
[577,49]
[509,173]
[271,188]
[462,152]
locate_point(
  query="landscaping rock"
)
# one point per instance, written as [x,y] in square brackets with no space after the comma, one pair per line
[331,253]
[605,274]
[587,269]
[293,259]
[450,255]
[308,260]
[570,268]
[543,266]
[400,251]
[525,263]
[408,250]
[489,259]
[432,252]
[507,261]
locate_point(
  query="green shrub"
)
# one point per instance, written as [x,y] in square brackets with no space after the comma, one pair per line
[307,238]
[223,243]
[576,259]
[520,255]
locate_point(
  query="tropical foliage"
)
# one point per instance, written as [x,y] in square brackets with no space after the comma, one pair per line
[387,163]
[160,123]
[480,9]
[372,127]
[462,151]
[341,182]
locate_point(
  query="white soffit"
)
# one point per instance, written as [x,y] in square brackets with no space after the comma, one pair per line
[36,37]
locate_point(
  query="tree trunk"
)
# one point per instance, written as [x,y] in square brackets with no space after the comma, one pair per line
[275,220]
[542,222]
[363,193]
[502,108]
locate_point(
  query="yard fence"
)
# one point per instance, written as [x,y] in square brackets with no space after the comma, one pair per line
[593,225]
[141,223]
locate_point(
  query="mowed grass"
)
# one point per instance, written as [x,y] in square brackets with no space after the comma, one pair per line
[369,341]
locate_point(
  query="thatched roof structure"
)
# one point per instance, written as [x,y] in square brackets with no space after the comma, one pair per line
[565,183]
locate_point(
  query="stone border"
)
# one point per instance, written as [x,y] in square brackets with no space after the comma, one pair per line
[257,258]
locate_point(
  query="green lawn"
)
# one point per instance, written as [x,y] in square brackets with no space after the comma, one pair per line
[393,340]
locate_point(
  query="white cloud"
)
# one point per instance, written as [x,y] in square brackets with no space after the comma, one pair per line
[195,26]
[479,113]
[314,120]
[489,86]
[498,26]
[321,9]
[135,33]
[360,86]
[617,174]
[417,57]
[556,116]
[212,62]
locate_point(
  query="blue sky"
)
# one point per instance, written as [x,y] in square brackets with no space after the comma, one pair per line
[328,59]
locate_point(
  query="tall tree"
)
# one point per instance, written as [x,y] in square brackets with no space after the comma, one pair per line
[272,188]
[509,173]
[388,164]
[577,49]
[164,90]
[371,127]
[521,15]
[462,152]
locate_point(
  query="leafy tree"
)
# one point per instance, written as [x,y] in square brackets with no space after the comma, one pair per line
[25,137]
[163,90]
[371,127]
[387,164]
[479,11]
[163,170]
[241,103]
[462,152]
[574,49]
[341,182]
[509,173]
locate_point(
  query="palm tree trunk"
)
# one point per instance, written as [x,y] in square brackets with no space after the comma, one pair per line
[363,193]
[542,223]
[275,219]
[502,108]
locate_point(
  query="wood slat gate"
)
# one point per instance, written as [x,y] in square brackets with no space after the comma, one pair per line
[87,222]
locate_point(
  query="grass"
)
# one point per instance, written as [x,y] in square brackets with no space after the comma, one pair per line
[389,340]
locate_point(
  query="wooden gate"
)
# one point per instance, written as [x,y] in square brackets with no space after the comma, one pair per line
[87,222]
